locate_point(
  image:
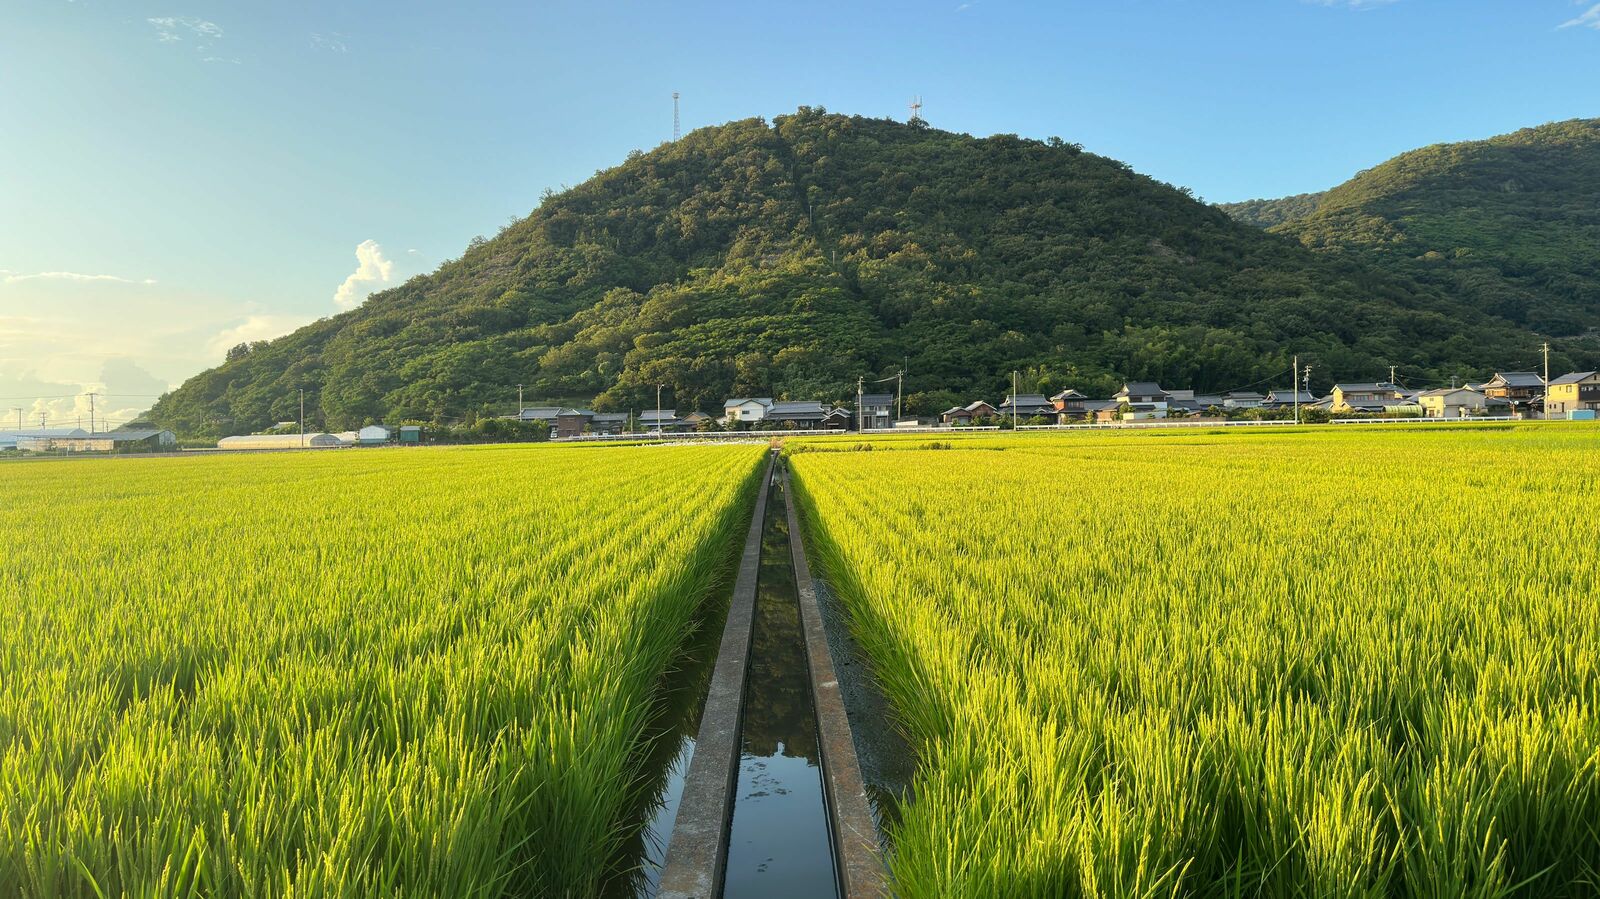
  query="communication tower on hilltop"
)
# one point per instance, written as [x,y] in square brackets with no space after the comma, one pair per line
[674,116]
[916,109]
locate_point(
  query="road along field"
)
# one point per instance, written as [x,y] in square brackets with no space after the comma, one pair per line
[396,672]
[1315,663]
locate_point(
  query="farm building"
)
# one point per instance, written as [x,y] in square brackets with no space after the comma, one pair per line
[371,435]
[410,433]
[38,439]
[279,442]
[121,441]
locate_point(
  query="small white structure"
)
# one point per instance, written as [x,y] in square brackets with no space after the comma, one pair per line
[279,442]
[746,408]
[373,435]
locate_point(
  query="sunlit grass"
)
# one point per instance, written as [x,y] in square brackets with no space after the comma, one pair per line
[1316,663]
[397,673]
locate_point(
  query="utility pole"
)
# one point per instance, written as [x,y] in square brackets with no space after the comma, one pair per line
[660,431]
[860,426]
[519,400]
[1294,370]
[674,116]
[302,418]
[1547,363]
[1013,399]
[1392,381]
[91,412]
[899,396]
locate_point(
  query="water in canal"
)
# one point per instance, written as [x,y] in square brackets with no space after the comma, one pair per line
[779,844]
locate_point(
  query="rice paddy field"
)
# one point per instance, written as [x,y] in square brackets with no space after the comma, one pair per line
[384,673]
[1323,662]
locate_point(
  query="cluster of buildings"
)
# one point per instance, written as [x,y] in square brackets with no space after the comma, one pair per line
[1507,394]
[751,413]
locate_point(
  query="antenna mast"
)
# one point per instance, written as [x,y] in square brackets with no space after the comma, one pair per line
[674,116]
[916,109]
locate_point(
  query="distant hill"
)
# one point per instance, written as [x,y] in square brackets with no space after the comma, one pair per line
[1268,213]
[788,259]
[1511,225]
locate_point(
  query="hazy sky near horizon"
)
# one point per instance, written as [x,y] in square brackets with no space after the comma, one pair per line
[180,175]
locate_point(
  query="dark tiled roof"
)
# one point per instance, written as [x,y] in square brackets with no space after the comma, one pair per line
[1517,379]
[1143,388]
[1574,377]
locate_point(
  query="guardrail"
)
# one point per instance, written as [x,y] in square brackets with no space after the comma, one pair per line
[1421,421]
[1146,425]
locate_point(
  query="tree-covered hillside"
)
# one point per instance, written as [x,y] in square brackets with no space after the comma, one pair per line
[788,259]
[1511,225]
[1268,213]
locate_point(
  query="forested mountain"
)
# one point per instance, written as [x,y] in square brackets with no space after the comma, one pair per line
[789,258]
[1267,213]
[1511,225]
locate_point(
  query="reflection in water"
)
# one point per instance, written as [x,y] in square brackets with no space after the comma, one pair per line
[779,843]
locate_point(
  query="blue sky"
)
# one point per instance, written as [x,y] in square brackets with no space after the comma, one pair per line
[178,175]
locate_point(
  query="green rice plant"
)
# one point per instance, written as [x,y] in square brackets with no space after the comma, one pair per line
[1305,663]
[397,673]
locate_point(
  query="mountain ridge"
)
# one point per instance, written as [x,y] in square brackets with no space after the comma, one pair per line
[790,258]
[1510,223]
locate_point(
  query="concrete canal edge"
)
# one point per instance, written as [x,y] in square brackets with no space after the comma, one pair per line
[858,856]
[697,853]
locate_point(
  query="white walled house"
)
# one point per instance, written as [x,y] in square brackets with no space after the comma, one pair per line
[746,408]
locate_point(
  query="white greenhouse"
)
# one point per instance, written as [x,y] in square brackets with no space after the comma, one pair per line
[278,441]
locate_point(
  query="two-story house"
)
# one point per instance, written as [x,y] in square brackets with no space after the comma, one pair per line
[877,410]
[1380,396]
[1145,398]
[1575,392]
[1025,406]
[748,409]
[1522,389]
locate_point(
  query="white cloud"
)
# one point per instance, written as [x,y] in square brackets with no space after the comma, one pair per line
[333,42]
[10,277]
[173,29]
[1590,19]
[372,272]
[252,328]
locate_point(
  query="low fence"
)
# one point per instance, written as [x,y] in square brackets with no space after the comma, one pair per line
[1422,421]
[1148,425]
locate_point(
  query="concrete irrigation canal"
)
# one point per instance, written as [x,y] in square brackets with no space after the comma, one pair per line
[773,803]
